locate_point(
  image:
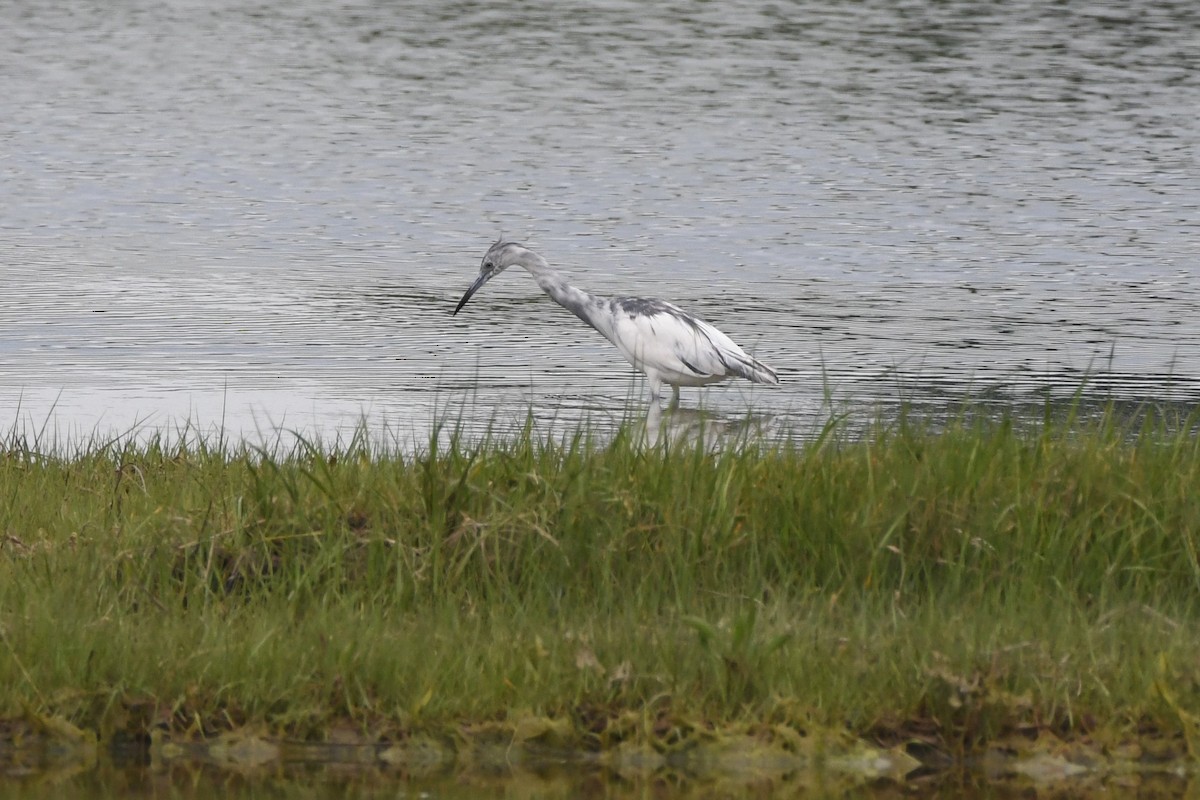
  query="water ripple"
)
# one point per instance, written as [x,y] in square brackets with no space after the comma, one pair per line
[264,215]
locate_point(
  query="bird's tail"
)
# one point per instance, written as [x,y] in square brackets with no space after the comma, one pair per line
[752,369]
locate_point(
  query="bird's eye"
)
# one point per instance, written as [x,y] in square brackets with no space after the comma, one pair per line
[488,265]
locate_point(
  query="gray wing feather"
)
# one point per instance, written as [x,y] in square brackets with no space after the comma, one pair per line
[721,357]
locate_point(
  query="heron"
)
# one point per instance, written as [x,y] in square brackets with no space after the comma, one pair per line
[668,344]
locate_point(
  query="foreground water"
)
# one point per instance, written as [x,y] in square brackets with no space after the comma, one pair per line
[260,217]
[133,778]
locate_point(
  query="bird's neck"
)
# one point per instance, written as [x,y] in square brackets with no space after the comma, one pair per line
[586,306]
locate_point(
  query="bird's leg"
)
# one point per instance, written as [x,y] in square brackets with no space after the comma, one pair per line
[655,383]
[674,397]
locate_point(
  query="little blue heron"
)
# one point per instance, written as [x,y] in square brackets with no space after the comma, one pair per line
[661,339]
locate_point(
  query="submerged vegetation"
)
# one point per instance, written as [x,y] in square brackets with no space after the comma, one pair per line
[931,591]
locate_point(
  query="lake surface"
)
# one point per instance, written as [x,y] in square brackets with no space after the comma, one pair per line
[548,781]
[260,215]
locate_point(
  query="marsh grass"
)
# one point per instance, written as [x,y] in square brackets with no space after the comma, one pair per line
[953,585]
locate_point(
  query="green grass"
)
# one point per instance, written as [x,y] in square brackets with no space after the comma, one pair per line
[958,584]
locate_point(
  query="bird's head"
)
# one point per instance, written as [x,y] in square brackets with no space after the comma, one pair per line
[499,257]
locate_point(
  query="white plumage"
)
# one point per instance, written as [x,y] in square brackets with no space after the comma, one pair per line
[662,340]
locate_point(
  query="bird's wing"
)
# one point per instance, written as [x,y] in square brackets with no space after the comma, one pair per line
[664,336]
[735,360]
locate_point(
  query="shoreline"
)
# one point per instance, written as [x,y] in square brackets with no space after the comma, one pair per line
[983,593]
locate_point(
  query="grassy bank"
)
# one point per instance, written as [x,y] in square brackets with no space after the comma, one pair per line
[939,591]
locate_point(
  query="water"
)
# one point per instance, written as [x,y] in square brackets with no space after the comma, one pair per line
[315,780]
[259,216]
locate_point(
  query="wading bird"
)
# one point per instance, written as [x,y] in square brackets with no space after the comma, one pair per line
[661,339]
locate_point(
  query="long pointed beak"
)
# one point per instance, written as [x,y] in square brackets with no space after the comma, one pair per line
[483,278]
